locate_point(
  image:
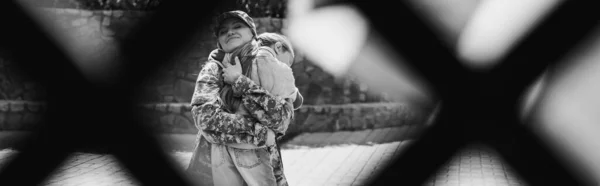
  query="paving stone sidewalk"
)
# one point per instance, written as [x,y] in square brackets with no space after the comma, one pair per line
[340,158]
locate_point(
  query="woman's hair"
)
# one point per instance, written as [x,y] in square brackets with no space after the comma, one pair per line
[268,39]
[246,54]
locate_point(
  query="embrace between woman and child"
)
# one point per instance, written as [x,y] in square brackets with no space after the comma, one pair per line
[243,102]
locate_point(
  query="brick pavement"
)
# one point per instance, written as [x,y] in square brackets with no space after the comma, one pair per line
[349,158]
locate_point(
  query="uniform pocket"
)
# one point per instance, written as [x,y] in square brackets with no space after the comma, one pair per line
[250,158]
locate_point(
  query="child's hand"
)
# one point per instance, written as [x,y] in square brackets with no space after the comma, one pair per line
[232,72]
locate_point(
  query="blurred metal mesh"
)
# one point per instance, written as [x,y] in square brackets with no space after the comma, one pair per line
[479,106]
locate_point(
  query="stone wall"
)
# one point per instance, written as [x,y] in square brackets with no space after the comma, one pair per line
[96,33]
[14,85]
[176,83]
[176,117]
[330,104]
[20,115]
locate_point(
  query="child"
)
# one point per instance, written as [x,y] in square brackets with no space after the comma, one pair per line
[280,47]
[265,74]
[271,70]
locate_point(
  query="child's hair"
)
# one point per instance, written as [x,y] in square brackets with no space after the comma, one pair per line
[268,39]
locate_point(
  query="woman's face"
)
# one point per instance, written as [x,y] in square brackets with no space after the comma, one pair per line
[233,33]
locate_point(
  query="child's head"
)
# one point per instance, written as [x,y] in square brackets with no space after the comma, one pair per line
[280,44]
[234,29]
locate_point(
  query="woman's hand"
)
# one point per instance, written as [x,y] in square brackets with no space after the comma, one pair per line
[232,72]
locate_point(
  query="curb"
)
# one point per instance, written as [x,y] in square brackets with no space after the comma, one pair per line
[176,118]
[19,117]
[169,142]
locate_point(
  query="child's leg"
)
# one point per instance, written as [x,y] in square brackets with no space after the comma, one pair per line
[254,165]
[223,169]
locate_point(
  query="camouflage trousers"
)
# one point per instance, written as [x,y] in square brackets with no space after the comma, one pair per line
[200,168]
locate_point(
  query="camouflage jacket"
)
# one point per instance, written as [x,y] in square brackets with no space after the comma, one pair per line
[219,126]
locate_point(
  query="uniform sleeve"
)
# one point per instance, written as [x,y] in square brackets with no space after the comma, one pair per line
[273,112]
[216,124]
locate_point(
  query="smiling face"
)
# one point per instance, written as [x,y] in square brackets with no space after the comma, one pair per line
[233,33]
